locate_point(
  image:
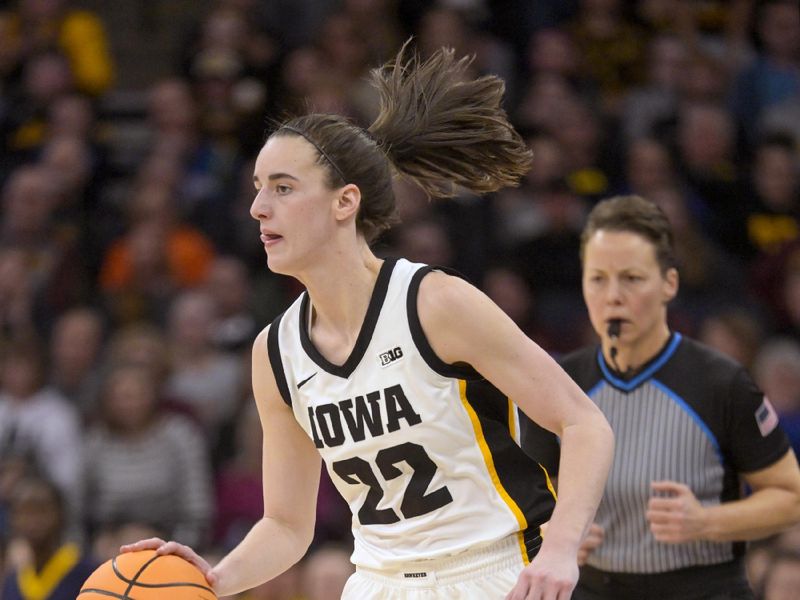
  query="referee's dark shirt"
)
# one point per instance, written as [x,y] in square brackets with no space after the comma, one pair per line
[690,415]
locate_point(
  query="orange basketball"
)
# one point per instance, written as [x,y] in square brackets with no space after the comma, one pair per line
[146,575]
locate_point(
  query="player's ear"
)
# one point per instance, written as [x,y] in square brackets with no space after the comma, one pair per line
[347,202]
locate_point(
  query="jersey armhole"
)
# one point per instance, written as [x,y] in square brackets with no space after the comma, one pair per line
[459,371]
[274,353]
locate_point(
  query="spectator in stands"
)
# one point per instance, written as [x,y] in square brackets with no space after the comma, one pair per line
[736,332]
[649,167]
[654,101]
[49,568]
[706,140]
[76,344]
[208,379]
[774,218]
[231,290]
[38,423]
[774,75]
[239,494]
[710,279]
[54,267]
[589,156]
[78,33]
[144,464]
[16,297]
[158,257]
[611,47]
[45,77]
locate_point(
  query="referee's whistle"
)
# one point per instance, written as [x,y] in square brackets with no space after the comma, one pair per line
[614,327]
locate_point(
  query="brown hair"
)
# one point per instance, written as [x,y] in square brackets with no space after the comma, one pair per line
[636,215]
[435,127]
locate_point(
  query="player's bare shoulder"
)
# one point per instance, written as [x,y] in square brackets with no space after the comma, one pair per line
[441,295]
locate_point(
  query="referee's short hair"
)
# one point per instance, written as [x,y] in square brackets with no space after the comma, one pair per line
[636,215]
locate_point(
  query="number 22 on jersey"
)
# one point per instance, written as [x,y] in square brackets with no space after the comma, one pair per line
[415,500]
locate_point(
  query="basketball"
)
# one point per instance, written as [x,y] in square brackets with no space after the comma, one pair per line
[146,575]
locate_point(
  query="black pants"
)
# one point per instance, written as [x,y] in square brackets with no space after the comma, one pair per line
[726,581]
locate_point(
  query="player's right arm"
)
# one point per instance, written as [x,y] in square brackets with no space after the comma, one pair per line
[291,470]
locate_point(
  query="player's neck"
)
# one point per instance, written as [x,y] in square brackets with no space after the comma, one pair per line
[340,292]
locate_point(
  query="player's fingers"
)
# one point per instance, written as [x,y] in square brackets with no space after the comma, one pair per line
[535,593]
[518,592]
[180,550]
[153,543]
[186,553]
[565,594]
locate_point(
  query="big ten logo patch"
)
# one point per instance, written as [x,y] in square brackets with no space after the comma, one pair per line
[390,356]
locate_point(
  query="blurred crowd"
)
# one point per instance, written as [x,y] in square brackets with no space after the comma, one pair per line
[131,290]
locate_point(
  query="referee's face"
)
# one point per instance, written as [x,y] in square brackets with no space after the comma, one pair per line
[622,281]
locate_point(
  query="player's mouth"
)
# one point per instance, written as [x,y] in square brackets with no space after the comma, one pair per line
[270,239]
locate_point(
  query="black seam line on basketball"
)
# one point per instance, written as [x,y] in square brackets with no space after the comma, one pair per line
[102,593]
[132,582]
[171,584]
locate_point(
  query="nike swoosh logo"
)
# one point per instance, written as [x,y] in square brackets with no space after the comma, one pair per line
[306,380]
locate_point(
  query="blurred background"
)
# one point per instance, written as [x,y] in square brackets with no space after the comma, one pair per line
[133,280]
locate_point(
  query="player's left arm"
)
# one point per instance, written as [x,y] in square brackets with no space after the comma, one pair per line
[463,325]
[676,516]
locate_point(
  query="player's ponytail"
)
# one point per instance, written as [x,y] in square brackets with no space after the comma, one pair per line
[435,127]
[444,130]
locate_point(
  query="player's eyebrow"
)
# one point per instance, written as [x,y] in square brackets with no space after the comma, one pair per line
[274,176]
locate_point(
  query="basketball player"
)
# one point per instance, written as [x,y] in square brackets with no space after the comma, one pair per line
[691,428]
[382,367]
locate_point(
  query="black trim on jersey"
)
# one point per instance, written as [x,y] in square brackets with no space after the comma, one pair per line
[524,480]
[532,539]
[459,371]
[364,335]
[274,352]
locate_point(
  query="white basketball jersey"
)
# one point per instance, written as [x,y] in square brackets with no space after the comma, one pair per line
[422,451]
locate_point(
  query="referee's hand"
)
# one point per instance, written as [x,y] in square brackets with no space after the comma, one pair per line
[674,513]
[594,537]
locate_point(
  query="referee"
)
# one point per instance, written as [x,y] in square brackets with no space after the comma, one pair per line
[691,427]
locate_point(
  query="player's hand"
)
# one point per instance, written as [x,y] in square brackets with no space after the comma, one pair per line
[594,537]
[548,577]
[185,552]
[674,513]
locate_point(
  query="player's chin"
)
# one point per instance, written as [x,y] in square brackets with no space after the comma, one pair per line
[278,264]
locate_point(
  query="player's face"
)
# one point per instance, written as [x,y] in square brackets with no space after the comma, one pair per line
[623,280]
[293,204]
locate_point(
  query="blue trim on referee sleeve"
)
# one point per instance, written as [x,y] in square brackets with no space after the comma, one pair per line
[644,375]
[691,412]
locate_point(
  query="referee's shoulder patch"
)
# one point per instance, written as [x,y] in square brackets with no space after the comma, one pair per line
[766,418]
